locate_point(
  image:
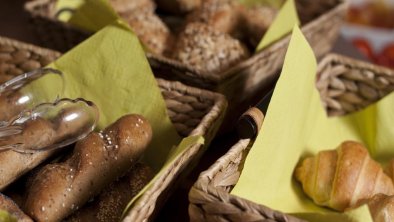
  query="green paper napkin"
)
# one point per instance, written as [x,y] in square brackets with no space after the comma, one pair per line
[296,125]
[89,15]
[281,26]
[111,70]
[6,217]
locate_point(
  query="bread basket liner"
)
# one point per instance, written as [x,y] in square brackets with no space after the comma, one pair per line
[194,112]
[214,198]
[240,83]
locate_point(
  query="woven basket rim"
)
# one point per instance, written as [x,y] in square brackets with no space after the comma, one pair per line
[356,63]
[210,77]
[137,213]
[27,46]
[203,186]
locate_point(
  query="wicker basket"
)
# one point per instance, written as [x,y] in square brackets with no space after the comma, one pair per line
[242,83]
[210,198]
[193,112]
[17,58]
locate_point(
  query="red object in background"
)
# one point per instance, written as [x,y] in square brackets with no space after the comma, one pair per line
[364,46]
[384,58]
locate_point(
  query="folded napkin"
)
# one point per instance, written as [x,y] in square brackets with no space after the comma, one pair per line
[296,125]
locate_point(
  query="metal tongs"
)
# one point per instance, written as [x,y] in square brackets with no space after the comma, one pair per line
[31,121]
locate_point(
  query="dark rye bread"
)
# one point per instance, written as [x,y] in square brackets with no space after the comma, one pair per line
[59,189]
[108,206]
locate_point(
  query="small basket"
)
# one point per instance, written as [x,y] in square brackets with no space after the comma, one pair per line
[210,198]
[18,57]
[241,84]
[193,111]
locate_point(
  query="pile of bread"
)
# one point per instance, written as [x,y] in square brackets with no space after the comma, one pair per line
[208,35]
[348,177]
[91,181]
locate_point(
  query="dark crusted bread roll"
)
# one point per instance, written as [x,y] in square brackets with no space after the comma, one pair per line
[59,189]
[109,205]
[9,205]
[208,50]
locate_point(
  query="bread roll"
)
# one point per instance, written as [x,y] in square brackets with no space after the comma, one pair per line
[208,50]
[257,21]
[36,133]
[221,15]
[8,205]
[151,31]
[109,205]
[344,177]
[59,189]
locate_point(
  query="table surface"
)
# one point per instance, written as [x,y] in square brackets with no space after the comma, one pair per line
[14,24]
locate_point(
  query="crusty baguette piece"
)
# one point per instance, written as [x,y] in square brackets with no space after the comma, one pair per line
[13,164]
[59,189]
[109,205]
[344,177]
[9,105]
[36,134]
[8,205]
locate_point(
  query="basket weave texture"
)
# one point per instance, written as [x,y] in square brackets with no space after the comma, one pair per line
[17,58]
[241,83]
[193,111]
[210,198]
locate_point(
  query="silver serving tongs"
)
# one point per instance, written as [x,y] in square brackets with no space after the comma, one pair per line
[49,126]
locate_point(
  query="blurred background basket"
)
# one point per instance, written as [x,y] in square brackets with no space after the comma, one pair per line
[241,84]
[347,83]
[18,57]
[193,111]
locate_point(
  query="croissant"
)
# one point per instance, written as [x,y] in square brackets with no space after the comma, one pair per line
[344,177]
[381,208]
[389,170]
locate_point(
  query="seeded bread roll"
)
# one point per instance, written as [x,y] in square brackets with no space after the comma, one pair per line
[126,6]
[208,50]
[109,205]
[151,31]
[178,6]
[257,21]
[9,205]
[36,133]
[221,15]
[59,189]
